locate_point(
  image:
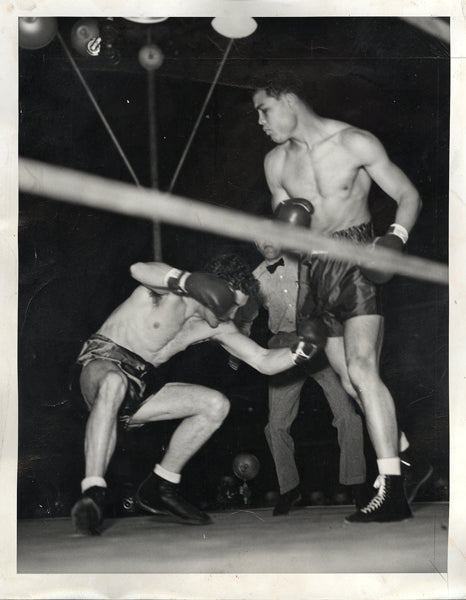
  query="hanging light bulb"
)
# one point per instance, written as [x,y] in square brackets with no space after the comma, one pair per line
[85,37]
[150,57]
[234,26]
[146,20]
[36,32]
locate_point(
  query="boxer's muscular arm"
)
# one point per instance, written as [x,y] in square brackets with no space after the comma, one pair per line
[206,288]
[273,167]
[151,275]
[367,149]
[264,360]
[312,338]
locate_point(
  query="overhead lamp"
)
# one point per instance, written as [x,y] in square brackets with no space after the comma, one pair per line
[146,20]
[150,57]
[85,37]
[234,26]
[36,32]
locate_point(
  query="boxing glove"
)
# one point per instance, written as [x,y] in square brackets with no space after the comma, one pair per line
[208,289]
[312,334]
[395,239]
[295,211]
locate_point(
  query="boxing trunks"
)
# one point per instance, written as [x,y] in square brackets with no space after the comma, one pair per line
[337,289]
[144,379]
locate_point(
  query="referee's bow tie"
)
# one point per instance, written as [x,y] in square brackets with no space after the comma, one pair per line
[273,267]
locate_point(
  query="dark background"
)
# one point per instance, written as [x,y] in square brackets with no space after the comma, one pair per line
[380,74]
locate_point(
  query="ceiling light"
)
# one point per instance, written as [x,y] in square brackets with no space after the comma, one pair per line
[146,20]
[234,26]
[36,32]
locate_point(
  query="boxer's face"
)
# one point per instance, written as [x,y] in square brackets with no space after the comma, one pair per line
[240,300]
[276,116]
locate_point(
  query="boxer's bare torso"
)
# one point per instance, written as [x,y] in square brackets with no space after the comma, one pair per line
[327,173]
[156,327]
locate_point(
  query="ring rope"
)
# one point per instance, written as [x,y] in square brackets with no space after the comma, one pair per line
[67,185]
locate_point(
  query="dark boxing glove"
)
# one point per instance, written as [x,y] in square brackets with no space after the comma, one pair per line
[208,289]
[312,335]
[395,239]
[295,211]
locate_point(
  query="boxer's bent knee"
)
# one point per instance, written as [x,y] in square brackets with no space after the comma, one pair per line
[360,370]
[216,406]
[103,387]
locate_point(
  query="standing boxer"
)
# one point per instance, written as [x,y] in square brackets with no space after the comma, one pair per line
[171,310]
[331,165]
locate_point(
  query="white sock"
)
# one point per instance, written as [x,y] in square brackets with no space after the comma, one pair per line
[389,466]
[404,444]
[88,482]
[168,475]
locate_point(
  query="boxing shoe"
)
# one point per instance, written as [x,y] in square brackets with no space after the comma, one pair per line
[159,496]
[87,514]
[362,494]
[389,504]
[415,473]
[286,501]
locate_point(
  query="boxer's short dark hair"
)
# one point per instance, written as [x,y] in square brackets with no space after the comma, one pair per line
[282,82]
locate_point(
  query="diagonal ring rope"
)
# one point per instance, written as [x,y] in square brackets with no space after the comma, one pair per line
[76,187]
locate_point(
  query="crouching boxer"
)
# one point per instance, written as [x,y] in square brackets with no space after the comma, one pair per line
[120,382]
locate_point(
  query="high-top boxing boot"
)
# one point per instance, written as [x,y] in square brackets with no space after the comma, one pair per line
[389,504]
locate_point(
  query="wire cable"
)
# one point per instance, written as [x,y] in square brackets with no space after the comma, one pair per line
[196,125]
[98,109]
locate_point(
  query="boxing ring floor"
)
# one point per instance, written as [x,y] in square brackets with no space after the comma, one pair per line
[309,540]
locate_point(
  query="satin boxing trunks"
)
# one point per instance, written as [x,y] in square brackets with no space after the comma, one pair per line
[338,290]
[144,379]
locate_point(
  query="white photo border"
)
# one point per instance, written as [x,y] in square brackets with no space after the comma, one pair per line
[241,586]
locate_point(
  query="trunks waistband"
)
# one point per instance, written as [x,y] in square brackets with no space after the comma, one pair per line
[99,346]
[356,233]
[128,353]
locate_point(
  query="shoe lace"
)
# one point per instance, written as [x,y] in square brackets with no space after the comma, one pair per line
[379,498]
